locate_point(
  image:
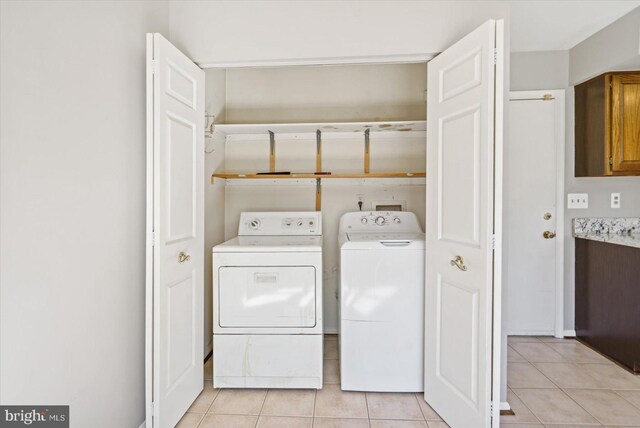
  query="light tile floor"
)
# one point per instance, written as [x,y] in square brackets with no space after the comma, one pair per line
[560,383]
[553,383]
[329,407]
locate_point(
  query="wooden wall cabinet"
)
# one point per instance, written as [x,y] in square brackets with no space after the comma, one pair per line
[607,125]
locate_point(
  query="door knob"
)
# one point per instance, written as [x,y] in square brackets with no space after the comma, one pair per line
[548,234]
[183,257]
[459,263]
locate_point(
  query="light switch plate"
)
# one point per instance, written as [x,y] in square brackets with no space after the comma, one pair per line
[576,201]
[615,200]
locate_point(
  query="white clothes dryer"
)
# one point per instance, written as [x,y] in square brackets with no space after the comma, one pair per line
[267,303]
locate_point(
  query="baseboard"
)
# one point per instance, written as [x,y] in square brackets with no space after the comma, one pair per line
[143,424]
[530,333]
[565,333]
[505,409]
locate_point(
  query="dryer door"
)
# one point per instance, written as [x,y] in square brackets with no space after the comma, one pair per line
[267,296]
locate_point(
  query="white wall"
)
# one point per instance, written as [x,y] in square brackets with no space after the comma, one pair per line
[347,93]
[215,86]
[539,70]
[236,32]
[73,206]
[73,167]
[337,93]
[552,70]
[615,47]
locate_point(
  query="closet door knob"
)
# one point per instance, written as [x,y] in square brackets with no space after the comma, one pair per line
[183,257]
[459,263]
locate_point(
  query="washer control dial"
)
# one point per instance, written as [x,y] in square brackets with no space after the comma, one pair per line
[380,220]
[363,220]
[396,220]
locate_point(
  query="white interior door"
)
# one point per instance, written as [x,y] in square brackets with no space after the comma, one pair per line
[462,82]
[532,197]
[175,292]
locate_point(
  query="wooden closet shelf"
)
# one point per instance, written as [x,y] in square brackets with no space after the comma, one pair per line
[329,127]
[338,175]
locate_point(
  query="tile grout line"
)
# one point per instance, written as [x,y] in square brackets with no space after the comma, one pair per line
[514,350]
[580,405]
[209,407]
[524,404]
[625,398]
[214,399]
[261,407]
[315,398]
[200,422]
[591,389]
[552,382]
[558,387]
[366,404]
[593,416]
[420,407]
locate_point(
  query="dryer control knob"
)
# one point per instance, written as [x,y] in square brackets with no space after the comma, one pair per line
[380,220]
[363,220]
[254,224]
[396,220]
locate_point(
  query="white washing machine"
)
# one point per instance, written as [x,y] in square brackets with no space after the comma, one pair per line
[381,302]
[267,303]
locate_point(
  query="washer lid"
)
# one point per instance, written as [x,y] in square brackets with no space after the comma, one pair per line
[399,240]
[268,244]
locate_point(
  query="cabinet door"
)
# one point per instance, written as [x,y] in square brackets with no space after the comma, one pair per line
[625,124]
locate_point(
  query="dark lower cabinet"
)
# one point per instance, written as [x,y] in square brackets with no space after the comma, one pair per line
[608,300]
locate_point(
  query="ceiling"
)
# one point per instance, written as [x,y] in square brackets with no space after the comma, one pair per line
[560,25]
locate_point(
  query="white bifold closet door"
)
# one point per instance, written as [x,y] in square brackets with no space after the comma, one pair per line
[461,121]
[175,223]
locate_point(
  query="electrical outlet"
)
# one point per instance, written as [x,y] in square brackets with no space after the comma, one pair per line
[615,200]
[577,201]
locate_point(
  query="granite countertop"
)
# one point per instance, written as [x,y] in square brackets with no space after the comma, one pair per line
[619,231]
[632,240]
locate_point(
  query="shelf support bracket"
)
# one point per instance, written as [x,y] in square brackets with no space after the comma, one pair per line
[272,152]
[318,194]
[366,151]
[318,151]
